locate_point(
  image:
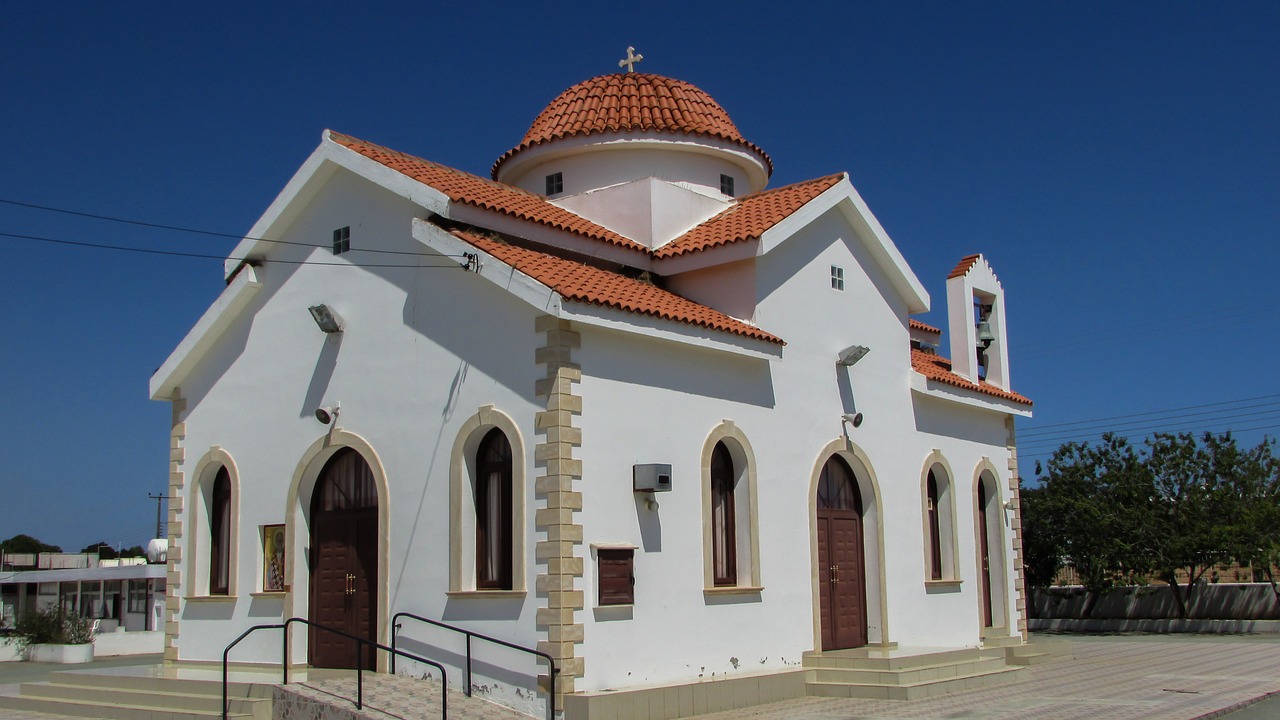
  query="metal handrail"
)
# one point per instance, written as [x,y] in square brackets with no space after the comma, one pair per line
[284,661]
[395,627]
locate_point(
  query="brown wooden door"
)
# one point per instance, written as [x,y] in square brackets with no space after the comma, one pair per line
[842,581]
[984,555]
[344,563]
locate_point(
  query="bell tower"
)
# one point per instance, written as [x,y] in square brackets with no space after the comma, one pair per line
[976,323]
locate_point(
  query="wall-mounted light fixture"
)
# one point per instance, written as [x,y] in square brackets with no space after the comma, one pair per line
[1008,504]
[326,319]
[329,414]
[851,355]
[854,419]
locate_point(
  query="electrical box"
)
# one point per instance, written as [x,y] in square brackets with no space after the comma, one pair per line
[651,477]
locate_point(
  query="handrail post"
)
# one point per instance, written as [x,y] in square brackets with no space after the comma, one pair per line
[395,627]
[359,675]
[467,689]
[224,684]
[284,654]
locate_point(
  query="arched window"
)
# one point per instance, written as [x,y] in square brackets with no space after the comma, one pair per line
[935,536]
[723,532]
[493,512]
[940,561]
[220,535]
[730,523]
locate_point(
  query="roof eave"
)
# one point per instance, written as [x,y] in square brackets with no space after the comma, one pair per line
[308,180]
[547,300]
[215,321]
[967,397]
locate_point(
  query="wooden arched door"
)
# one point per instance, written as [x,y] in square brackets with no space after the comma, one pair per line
[842,581]
[984,554]
[344,561]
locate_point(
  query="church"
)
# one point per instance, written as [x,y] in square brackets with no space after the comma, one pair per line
[620,402]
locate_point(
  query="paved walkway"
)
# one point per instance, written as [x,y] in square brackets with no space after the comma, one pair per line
[1108,678]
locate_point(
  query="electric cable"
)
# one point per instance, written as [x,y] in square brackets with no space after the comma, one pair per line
[209,256]
[179,228]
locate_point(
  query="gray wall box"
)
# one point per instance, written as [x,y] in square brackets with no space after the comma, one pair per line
[651,477]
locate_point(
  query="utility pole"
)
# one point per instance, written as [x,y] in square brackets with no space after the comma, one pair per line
[158,499]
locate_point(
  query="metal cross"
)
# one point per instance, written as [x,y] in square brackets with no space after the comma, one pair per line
[630,60]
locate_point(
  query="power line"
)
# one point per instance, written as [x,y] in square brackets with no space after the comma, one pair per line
[1157,427]
[1037,450]
[1156,412]
[207,256]
[179,228]
[1231,412]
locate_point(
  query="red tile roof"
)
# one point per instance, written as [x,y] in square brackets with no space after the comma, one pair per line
[632,102]
[917,325]
[963,266]
[938,368]
[462,187]
[749,217]
[577,282]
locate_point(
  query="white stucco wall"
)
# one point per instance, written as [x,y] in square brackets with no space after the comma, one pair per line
[422,350]
[647,401]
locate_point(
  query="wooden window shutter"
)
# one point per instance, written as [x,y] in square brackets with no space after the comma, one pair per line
[616,576]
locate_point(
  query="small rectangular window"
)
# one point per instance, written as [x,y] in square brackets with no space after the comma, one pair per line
[837,277]
[726,185]
[341,240]
[555,183]
[616,576]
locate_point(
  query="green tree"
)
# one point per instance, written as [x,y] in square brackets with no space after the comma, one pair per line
[102,549]
[1256,540]
[1095,496]
[1042,542]
[26,544]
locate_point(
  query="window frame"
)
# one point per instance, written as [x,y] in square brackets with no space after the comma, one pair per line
[727,185]
[554,183]
[837,278]
[341,240]
[938,523]
[623,557]
[743,529]
[462,479]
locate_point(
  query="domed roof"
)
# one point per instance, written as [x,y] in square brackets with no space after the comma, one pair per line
[632,102]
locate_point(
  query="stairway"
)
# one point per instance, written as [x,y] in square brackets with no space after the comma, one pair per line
[143,696]
[903,673]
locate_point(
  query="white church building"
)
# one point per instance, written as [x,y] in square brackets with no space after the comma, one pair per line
[621,403]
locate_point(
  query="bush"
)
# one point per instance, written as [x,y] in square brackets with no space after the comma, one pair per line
[52,625]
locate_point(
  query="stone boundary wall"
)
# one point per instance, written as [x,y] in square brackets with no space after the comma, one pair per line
[1213,601]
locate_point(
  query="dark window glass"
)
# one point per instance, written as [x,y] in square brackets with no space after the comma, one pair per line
[346,484]
[836,487]
[723,532]
[493,512]
[341,240]
[617,576]
[935,538]
[220,535]
[726,185]
[555,183]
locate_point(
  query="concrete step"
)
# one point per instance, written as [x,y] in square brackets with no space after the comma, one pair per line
[1029,658]
[235,688]
[914,690]
[897,659]
[994,641]
[907,676]
[99,709]
[201,702]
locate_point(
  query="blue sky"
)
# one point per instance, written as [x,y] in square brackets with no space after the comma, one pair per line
[1118,164]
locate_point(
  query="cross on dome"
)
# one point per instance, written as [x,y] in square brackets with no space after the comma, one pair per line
[630,60]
